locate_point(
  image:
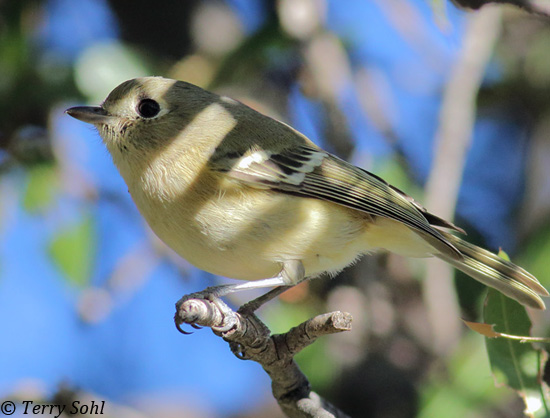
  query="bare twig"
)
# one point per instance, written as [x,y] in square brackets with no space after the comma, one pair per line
[250,339]
[451,145]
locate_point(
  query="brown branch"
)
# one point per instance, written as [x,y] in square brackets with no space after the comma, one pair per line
[250,339]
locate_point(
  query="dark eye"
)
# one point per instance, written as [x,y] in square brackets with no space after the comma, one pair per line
[148,108]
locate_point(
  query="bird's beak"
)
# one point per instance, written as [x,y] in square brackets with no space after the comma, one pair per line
[95,115]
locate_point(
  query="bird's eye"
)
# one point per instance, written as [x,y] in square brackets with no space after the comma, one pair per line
[148,108]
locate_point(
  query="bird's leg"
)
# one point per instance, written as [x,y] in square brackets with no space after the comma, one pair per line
[292,273]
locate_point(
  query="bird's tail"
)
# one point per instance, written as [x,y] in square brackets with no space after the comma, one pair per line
[496,272]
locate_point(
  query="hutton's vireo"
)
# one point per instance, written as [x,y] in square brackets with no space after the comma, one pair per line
[242,195]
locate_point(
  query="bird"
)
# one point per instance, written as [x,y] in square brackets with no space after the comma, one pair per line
[242,195]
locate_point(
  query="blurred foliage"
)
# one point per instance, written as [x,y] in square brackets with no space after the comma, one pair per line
[537,250]
[41,187]
[466,390]
[30,82]
[385,365]
[73,251]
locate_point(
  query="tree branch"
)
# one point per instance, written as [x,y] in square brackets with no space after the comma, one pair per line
[250,339]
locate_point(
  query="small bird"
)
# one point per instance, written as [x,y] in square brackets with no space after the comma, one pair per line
[242,195]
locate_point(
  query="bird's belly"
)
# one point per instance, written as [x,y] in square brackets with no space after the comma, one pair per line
[250,236]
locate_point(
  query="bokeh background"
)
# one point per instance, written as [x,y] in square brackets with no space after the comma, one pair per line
[87,292]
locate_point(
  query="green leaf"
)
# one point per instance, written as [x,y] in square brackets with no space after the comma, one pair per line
[508,357]
[72,250]
[42,182]
[513,363]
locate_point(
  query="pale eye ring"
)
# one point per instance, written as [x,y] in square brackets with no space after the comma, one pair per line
[148,108]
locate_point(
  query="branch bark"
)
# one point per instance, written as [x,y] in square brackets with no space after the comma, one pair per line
[250,339]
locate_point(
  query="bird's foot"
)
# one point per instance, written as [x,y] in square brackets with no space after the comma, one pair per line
[205,309]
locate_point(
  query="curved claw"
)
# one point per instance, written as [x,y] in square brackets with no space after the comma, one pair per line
[195,326]
[238,350]
[230,322]
[180,329]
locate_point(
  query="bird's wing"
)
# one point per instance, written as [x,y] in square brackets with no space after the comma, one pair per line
[306,171]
